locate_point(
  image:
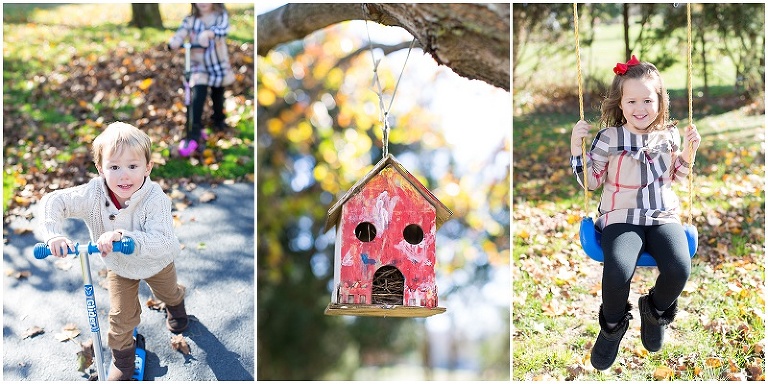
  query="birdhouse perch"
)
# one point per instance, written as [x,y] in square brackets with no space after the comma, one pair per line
[384,261]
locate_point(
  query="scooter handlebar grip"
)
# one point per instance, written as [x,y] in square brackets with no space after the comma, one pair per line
[42,251]
[126,246]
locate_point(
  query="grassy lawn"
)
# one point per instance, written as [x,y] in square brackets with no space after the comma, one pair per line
[719,332]
[52,51]
[538,62]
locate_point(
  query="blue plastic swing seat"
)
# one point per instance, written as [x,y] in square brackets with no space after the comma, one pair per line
[590,242]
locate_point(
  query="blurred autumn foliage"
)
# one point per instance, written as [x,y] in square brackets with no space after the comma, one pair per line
[54,107]
[318,132]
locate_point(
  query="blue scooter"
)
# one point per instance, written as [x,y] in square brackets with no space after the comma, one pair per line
[125,246]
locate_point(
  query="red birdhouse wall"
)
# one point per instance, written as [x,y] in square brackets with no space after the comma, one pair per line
[386,236]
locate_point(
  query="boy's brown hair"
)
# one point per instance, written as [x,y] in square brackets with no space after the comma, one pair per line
[117,137]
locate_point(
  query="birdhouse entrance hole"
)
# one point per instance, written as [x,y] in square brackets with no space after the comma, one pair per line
[413,234]
[388,286]
[365,232]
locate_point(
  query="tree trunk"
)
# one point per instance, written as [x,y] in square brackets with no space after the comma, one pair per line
[471,39]
[145,15]
[625,14]
[704,64]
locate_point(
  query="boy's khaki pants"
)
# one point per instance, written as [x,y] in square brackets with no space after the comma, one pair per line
[125,308]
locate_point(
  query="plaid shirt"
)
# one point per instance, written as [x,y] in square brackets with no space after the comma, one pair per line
[212,67]
[636,172]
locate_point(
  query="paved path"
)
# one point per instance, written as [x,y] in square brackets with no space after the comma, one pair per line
[216,265]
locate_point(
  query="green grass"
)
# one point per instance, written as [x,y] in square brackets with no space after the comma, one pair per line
[9,187]
[539,61]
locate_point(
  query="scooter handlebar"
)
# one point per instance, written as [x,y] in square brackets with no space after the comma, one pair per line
[126,246]
[192,46]
[185,45]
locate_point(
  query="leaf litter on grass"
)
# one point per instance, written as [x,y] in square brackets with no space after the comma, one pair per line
[90,91]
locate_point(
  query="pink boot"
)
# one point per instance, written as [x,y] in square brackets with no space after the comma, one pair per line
[187,147]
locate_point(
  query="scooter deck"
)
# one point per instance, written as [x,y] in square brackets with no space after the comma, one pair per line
[141,356]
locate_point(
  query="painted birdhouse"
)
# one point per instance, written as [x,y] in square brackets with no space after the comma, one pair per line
[384,263]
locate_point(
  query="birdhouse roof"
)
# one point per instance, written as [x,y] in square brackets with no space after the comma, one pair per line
[442,212]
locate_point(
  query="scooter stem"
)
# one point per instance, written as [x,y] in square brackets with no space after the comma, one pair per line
[93,315]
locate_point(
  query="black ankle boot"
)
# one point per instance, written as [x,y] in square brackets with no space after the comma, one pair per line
[652,326]
[607,345]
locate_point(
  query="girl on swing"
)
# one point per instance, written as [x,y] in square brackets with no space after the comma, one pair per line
[636,158]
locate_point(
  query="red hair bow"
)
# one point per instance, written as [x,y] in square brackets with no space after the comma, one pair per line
[621,68]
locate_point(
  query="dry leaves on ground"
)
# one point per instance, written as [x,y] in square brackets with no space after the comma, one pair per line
[180,344]
[156,305]
[69,332]
[18,275]
[85,356]
[32,332]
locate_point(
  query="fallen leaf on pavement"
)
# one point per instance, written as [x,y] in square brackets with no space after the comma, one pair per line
[22,230]
[85,356]
[157,305]
[18,274]
[63,264]
[207,196]
[179,195]
[69,332]
[178,343]
[32,332]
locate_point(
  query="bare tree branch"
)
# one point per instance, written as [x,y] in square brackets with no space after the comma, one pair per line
[471,39]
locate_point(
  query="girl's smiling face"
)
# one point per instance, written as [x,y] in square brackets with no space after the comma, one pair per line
[204,7]
[124,172]
[639,103]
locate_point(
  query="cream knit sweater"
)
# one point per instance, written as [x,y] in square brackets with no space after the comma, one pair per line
[146,218]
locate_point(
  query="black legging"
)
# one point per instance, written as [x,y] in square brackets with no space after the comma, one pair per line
[623,244]
[199,94]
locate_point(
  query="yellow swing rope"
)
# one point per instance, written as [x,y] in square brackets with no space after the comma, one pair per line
[690,117]
[581,110]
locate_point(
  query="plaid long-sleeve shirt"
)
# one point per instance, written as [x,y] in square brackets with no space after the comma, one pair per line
[212,67]
[636,172]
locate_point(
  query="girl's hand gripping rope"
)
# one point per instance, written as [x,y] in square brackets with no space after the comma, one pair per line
[691,143]
[580,131]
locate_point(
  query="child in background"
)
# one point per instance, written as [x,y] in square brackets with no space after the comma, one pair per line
[208,26]
[636,158]
[122,202]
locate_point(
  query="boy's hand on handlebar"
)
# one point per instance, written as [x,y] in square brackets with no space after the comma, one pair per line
[104,243]
[59,246]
